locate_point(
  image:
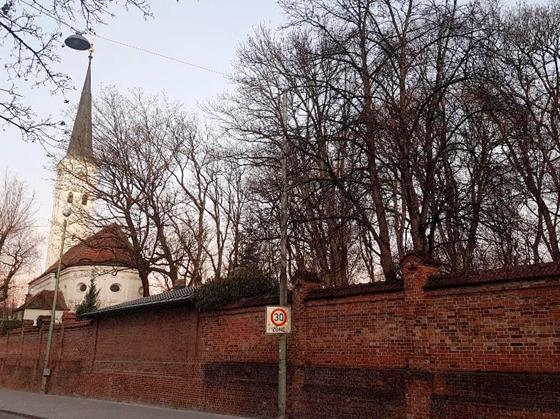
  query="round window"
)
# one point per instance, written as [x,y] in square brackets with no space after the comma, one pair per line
[115,287]
[141,291]
[82,287]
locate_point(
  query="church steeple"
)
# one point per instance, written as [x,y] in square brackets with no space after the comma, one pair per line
[80,145]
[76,174]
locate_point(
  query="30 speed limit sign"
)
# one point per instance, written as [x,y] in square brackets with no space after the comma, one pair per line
[278,320]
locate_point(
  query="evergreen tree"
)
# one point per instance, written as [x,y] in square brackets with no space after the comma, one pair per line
[90,302]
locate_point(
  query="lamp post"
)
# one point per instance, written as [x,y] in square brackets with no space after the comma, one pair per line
[80,43]
[282,343]
[46,370]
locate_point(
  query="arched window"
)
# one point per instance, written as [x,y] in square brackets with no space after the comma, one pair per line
[84,199]
[70,197]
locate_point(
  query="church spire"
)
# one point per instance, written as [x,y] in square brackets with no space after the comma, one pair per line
[80,145]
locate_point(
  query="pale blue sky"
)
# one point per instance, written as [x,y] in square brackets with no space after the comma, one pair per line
[205,32]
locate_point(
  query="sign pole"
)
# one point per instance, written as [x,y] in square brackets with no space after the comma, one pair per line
[282,342]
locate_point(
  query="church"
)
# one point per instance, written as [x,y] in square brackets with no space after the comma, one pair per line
[101,256]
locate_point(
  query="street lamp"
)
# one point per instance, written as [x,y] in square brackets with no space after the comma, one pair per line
[78,42]
[46,371]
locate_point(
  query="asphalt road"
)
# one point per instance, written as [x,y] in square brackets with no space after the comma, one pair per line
[20,404]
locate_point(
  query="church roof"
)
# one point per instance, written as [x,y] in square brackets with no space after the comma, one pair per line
[43,301]
[80,145]
[107,247]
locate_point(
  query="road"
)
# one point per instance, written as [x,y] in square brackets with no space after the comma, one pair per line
[20,404]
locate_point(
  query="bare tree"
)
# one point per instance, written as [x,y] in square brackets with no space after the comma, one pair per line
[162,180]
[424,126]
[18,241]
[130,187]
[210,203]
[526,111]
[320,214]
[194,177]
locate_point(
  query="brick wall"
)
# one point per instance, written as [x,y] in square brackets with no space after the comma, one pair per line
[430,347]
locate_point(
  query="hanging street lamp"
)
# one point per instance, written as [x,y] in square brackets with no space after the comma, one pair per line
[78,42]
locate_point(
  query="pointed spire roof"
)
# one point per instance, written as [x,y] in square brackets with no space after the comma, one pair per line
[80,145]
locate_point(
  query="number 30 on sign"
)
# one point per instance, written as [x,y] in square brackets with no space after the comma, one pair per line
[278,320]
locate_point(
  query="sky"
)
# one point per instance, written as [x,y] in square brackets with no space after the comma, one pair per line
[204,32]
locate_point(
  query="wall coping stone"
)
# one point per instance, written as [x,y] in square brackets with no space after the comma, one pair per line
[492,276]
[357,289]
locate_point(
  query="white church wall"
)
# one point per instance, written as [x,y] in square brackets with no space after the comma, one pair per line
[71,185]
[74,282]
[116,285]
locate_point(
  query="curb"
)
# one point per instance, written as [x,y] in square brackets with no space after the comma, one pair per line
[22,415]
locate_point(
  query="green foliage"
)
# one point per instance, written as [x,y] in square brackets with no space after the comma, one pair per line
[9,324]
[243,283]
[90,302]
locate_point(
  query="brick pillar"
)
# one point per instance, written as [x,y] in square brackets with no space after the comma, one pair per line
[303,282]
[416,271]
[69,317]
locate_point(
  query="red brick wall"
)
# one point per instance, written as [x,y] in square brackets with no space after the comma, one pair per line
[488,350]
[504,329]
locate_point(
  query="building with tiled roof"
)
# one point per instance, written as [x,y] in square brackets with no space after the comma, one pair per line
[103,256]
[40,304]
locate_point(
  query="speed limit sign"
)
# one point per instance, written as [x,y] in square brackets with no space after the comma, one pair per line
[278,319]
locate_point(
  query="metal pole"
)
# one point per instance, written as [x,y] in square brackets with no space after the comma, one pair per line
[283,262]
[46,370]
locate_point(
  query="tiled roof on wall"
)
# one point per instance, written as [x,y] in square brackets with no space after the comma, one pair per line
[507,274]
[168,298]
[357,289]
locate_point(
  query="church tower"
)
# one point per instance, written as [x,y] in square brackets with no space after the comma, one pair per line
[75,176]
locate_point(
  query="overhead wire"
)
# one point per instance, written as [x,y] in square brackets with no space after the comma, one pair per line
[41,9]
[168,57]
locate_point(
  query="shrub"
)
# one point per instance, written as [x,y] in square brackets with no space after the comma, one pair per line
[90,302]
[243,283]
[9,324]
